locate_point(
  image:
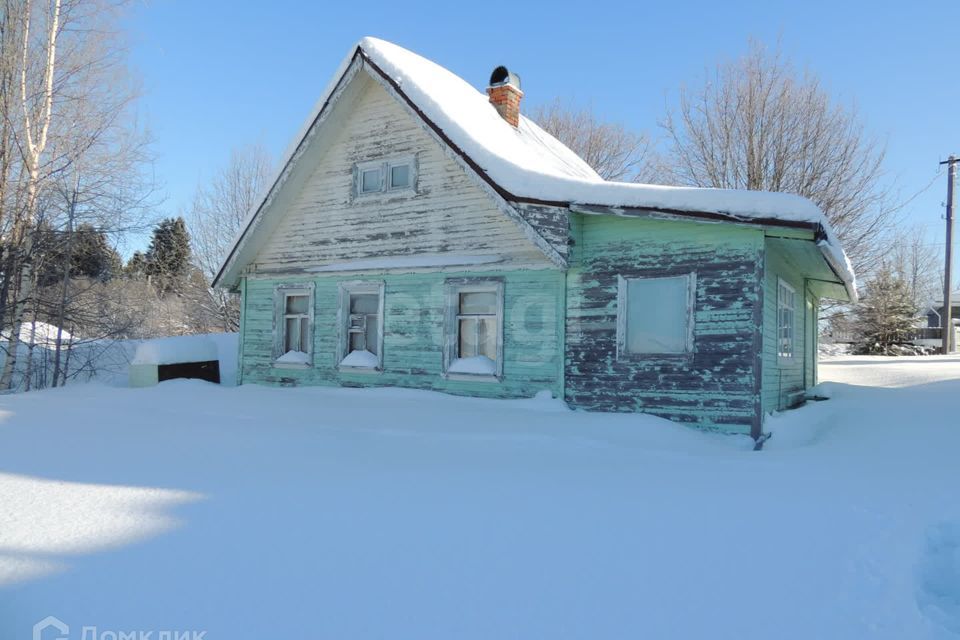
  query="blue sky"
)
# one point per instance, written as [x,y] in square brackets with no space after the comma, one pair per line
[218,75]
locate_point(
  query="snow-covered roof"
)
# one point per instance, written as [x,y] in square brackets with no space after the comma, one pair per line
[526,164]
[40,334]
[176,349]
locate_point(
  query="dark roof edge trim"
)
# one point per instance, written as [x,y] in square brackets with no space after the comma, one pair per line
[282,171]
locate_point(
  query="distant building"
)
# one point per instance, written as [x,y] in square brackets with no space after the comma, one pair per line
[935,310]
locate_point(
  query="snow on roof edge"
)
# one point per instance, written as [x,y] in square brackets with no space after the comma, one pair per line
[531,165]
[285,159]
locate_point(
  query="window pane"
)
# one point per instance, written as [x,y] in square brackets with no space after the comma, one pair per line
[371,334]
[786,299]
[400,176]
[657,315]
[370,180]
[297,304]
[365,303]
[304,335]
[357,342]
[478,337]
[468,338]
[292,335]
[487,341]
[478,302]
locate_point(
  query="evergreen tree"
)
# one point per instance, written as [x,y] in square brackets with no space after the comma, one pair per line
[136,266]
[167,261]
[91,255]
[886,315]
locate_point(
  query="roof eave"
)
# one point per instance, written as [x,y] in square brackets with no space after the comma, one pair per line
[820,236]
[225,278]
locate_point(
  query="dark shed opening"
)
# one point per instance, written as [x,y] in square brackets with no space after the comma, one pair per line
[208,370]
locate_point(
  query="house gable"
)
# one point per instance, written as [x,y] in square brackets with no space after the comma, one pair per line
[313,219]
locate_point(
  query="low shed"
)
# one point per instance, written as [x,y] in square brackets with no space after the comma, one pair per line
[177,357]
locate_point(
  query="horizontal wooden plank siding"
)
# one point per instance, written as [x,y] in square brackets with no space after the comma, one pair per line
[715,387]
[784,377]
[447,212]
[414,313]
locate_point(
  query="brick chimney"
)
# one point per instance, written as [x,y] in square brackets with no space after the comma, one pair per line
[505,94]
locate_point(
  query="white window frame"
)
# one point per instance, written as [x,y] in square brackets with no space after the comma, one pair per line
[346,289]
[786,353]
[623,292]
[363,168]
[451,343]
[280,294]
[385,166]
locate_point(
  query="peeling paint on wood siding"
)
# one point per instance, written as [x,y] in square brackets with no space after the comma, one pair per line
[553,223]
[413,322]
[717,385]
[782,377]
[447,212]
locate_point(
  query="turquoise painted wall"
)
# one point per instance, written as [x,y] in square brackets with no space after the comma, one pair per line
[717,386]
[729,382]
[784,377]
[414,315]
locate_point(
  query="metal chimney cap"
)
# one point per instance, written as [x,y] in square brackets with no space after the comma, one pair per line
[502,76]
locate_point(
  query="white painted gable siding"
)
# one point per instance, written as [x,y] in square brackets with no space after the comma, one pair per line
[449,214]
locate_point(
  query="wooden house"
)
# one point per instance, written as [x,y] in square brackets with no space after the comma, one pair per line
[422,234]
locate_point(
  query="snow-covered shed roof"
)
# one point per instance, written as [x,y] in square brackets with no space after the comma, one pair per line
[176,349]
[526,164]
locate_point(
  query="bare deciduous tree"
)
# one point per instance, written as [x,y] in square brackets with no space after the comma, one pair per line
[615,152]
[70,151]
[917,263]
[219,208]
[756,123]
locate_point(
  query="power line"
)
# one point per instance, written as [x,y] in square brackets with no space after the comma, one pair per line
[904,204]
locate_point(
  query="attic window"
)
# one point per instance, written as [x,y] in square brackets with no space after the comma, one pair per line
[370,180]
[395,174]
[400,176]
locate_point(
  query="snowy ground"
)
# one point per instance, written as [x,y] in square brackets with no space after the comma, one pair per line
[349,514]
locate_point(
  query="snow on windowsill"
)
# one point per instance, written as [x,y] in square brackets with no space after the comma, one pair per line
[475,366]
[293,360]
[360,359]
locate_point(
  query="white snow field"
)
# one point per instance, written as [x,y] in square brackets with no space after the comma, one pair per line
[253,512]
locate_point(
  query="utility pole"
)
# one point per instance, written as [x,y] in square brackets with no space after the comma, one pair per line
[947,320]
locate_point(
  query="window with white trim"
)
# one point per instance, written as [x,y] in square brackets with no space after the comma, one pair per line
[361,325]
[391,175]
[293,325]
[786,318]
[474,340]
[371,180]
[655,315]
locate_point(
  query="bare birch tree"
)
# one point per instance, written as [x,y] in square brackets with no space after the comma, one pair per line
[614,151]
[38,60]
[69,123]
[219,209]
[756,123]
